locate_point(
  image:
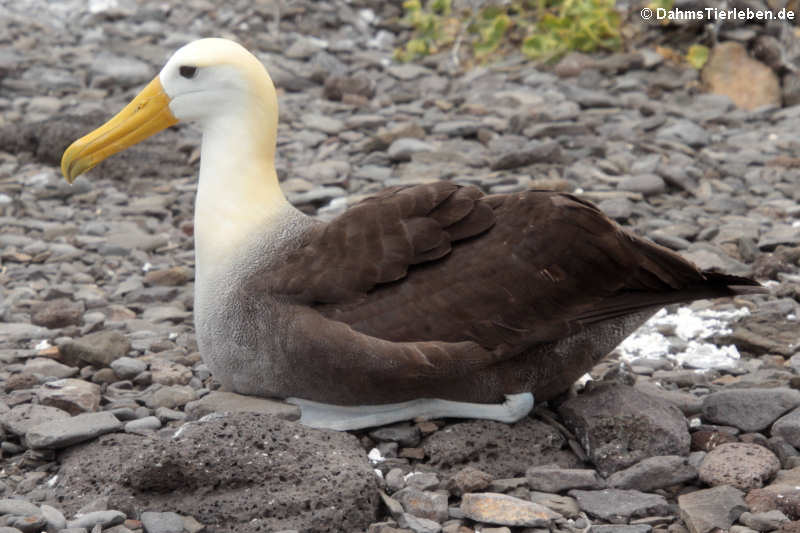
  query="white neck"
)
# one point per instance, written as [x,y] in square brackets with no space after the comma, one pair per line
[238,191]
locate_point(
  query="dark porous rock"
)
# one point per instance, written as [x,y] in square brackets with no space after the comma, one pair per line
[617,505]
[788,427]
[749,409]
[738,464]
[550,479]
[782,494]
[229,402]
[468,479]
[653,473]
[705,510]
[58,314]
[619,426]
[244,472]
[97,349]
[506,510]
[501,450]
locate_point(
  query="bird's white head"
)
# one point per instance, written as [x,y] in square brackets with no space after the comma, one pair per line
[211,77]
[206,80]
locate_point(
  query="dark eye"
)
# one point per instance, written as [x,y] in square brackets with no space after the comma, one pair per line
[188,72]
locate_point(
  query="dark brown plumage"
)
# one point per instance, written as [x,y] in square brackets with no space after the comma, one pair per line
[473,288]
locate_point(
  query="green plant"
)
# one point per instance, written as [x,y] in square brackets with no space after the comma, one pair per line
[697,56]
[545,29]
[432,28]
[582,25]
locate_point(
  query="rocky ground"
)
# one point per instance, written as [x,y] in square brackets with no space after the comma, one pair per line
[103,388]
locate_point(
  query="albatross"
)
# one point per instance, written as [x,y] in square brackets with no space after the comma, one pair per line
[431,300]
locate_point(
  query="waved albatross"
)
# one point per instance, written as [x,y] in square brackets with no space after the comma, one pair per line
[429,300]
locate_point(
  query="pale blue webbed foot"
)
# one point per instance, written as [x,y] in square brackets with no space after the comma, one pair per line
[341,418]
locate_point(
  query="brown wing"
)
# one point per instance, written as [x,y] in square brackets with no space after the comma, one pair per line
[484,275]
[376,241]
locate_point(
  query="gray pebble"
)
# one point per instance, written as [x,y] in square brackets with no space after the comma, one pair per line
[161,522]
[149,423]
[103,518]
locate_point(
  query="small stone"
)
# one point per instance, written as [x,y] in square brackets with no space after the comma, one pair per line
[20,382]
[732,72]
[565,505]
[738,464]
[418,524]
[55,518]
[148,423]
[422,480]
[620,528]
[653,473]
[102,518]
[468,479]
[169,373]
[618,505]
[221,402]
[45,366]
[98,349]
[788,428]
[610,421]
[23,417]
[533,152]
[616,208]
[72,395]
[705,510]
[128,367]
[549,479]
[403,148]
[749,409]
[58,314]
[647,184]
[27,524]
[170,396]
[66,432]
[168,277]
[162,522]
[684,131]
[406,435]
[191,525]
[18,508]
[394,480]
[506,510]
[412,453]
[765,521]
[424,504]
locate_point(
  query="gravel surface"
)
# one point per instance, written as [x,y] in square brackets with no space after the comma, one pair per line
[108,415]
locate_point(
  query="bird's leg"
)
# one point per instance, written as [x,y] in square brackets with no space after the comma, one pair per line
[339,417]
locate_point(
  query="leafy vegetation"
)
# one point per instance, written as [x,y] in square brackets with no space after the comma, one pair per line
[542,29]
